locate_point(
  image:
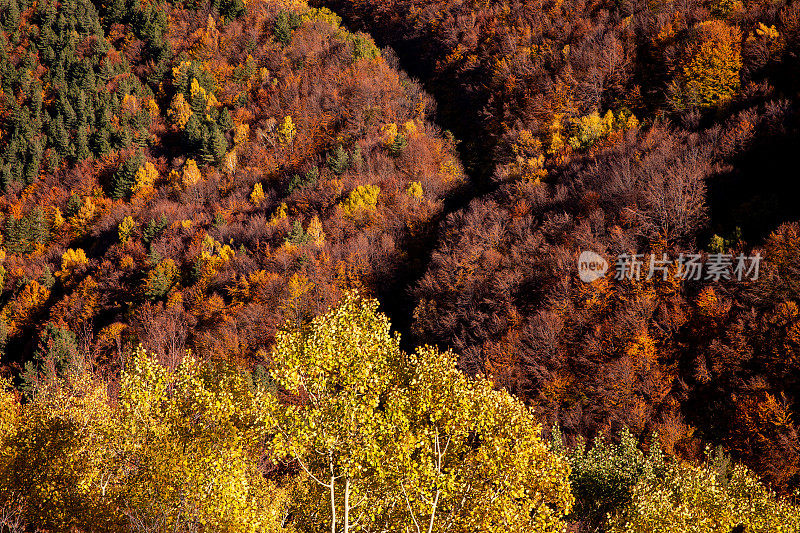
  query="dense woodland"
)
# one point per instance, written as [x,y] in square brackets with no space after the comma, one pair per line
[209,209]
[618,127]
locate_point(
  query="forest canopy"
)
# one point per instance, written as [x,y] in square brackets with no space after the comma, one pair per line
[210,209]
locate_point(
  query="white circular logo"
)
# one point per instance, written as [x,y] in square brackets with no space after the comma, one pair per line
[591,266]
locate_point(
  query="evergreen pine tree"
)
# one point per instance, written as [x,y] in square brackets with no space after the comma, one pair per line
[125,176]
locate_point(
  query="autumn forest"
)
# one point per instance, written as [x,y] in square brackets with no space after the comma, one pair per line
[312,266]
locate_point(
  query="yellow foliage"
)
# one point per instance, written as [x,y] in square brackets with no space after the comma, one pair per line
[180,111]
[160,279]
[87,294]
[146,177]
[58,218]
[389,134]
[130,103]
[177,72]
[315,231]
[410,127]
[58,458]
[414,190]
[85,214]
[528,158]
[768,32]
[19,309]
[280,213]
[229,162]
[556,135]
[111,334]
[191,174]
[241,133]
[711,64]
[127,262]
[190,441]
[195,89]
[420,424]
[9,414]
[701,499]
[125,228]
[591,128]
[174,299]
[449,167]
[292,305]
[257,196]
[286,131]
[178,449]
[322,14]
[362,198]
[726,8]
[175,179]
[213,255]
[71,260]
[152,108]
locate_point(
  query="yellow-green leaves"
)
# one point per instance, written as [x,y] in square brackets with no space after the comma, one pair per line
[192,448]
[476,452]
[55,461]
[704,499]
[179,450]
[392,441]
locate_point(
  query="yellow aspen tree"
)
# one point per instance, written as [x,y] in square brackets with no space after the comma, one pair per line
[191,174]
[257,196]
[180,111]
[315,231]
[145,177]
[190,444]
[125,228]
[399,442]
[287,131]
[59,458]
[703,499]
